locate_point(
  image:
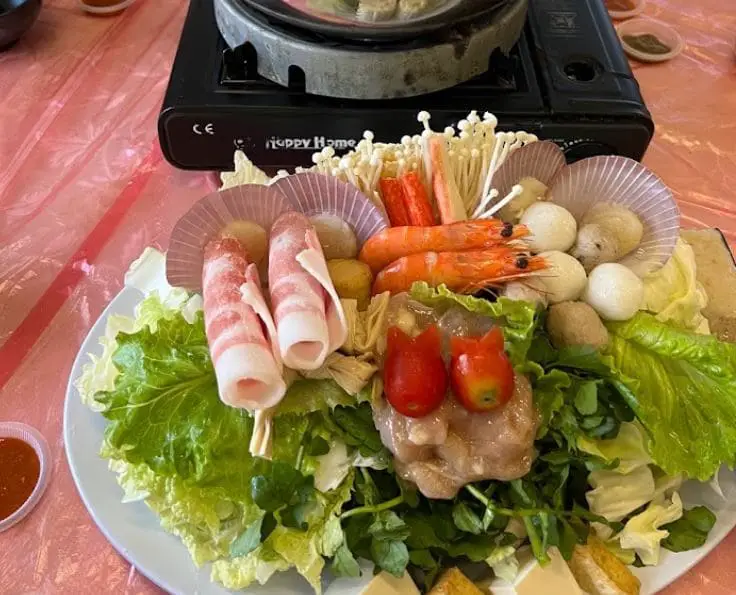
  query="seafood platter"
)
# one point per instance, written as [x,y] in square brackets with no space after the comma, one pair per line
[281,79]
[452,365]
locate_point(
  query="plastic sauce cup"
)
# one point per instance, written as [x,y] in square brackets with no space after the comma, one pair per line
[105,6]
[34,439]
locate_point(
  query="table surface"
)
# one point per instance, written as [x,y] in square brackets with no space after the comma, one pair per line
[84,188]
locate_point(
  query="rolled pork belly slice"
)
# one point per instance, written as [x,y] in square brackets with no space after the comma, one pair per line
[310,321]
[249,375]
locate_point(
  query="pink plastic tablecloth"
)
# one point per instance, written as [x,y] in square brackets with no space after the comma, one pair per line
[83,189]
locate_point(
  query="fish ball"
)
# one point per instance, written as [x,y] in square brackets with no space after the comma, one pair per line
[614,291]
[607,234]
[335,236]
[622,222]
[594,245]
[551,226]
[563,280]
[251,235]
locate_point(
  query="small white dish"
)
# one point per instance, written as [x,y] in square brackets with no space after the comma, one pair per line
[620,15]
[661,31]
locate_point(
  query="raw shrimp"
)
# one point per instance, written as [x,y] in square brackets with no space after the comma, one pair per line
[464,272]
[395,242]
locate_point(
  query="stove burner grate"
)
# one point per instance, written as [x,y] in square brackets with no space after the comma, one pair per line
[239,73]
[348,69]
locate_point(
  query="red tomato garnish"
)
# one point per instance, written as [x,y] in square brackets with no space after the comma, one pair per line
[414,375]
[481,374]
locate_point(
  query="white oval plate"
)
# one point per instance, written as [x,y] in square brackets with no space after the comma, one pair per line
[134,531]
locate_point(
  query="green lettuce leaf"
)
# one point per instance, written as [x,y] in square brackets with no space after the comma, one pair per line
[504,563]
[644,532]
[306,549]
[165,411]
[259,566]
[673,293]
[306,396]
[100,373]
[205,521]
[629,448]
[614,496]
[518,319]
[684,393]
[175,445]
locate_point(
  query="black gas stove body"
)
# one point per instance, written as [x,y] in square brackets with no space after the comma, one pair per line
[567,80]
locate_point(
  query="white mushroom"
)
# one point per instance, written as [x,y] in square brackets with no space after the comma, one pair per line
[552,227]
[614,291]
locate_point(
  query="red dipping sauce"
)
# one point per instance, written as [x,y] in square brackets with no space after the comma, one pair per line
[20,469]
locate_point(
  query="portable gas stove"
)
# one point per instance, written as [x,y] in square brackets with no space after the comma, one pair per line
[250,79]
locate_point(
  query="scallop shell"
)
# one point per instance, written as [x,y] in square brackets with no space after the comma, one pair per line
[315,194]
[619,180]
[207,218]
[541,160]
